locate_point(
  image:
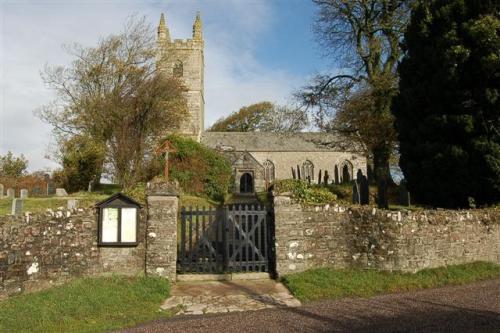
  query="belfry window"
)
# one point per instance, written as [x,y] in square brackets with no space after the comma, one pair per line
[178,69]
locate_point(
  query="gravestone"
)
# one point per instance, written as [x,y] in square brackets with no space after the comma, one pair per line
[298,172]
[11,193]
[355,193]
[60,192]
[326,178]
[23,194]
[1,191]
[363,189]
[91,186]
[404,195]
[72,204]
[319,177]
[17,206]
[336,175]
[293,173]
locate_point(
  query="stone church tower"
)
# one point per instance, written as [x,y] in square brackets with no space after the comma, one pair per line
[184,59]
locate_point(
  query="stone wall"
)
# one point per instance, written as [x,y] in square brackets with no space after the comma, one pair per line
[318,236]
[39,250]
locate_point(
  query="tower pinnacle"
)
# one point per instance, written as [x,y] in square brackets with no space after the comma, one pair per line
[197,28]
[163,33]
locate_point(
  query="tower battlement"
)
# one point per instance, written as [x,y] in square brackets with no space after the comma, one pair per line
[183,58]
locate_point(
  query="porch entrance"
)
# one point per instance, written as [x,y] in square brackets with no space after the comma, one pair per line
[246,183]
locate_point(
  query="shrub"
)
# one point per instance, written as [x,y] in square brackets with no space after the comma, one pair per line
[199,169]
[303,192]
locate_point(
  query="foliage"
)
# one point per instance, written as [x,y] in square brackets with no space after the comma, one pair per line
[199,169]
[116,94]
[447,112]
[263,117]
[86,305]
[303,192]
[365,36]
[329,283]
[29,182]
[194,201]
[11,166]
[82,159]
[137,192]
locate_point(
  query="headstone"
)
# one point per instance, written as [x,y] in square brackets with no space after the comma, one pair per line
[404,195]
[364,190]
[11,193]
[319,177]
[293,173]
[60,192]
[90,187]
[326,178]
[298,172]
[17,206]
[23,194]
[1,191]
[355,193]
[72,204]
[336,175]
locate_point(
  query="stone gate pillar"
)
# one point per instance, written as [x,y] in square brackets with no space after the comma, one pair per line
[161,242]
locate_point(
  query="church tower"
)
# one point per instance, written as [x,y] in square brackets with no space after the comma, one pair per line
[184,59]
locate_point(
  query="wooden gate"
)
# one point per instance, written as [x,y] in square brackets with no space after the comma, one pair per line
[236,238]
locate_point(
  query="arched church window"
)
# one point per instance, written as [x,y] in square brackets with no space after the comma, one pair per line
[268,171]
[308,167]
[178,69]
[346,169]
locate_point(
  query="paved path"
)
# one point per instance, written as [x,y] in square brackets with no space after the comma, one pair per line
[228,296]
[470,308]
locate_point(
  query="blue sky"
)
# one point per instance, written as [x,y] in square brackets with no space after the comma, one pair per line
[254,50]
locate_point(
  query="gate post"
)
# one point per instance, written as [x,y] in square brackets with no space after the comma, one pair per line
[161,235]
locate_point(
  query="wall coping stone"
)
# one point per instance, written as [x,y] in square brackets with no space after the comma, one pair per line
[161,187]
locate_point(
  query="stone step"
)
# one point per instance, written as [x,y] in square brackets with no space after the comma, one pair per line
[223,277]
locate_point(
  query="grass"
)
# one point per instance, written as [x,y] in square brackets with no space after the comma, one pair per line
[193,201]
[86,305]
[41,204]
[328,283]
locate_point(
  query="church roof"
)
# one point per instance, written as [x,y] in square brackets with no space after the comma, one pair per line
[268,141]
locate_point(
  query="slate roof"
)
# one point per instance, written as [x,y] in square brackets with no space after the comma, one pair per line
[268,141]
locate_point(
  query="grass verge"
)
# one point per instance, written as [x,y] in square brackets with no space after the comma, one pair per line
[328,283]
[86,305]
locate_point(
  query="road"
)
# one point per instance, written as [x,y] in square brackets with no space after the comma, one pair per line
[469,308]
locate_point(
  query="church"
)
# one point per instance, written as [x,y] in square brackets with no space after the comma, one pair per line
[257,158]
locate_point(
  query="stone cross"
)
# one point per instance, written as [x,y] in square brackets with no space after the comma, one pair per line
[17,206]
[166,148]
[1,191]
[23,194]
[11,193]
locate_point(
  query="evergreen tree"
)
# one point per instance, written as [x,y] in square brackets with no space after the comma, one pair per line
[448,108]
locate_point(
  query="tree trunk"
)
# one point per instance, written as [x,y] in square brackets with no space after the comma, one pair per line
[382,174]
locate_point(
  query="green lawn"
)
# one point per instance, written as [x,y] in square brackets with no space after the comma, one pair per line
[86,305]
[327,283]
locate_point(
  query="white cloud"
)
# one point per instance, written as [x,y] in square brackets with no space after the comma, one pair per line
[32,34]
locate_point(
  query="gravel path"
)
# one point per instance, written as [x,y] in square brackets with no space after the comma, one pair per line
[469,308]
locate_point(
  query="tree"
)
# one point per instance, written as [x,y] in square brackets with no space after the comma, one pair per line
[262,117]
[447,111]
[82,161]
[115,94]
[13,167]
[364,36]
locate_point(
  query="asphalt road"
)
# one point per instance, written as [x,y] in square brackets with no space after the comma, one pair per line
[469,308]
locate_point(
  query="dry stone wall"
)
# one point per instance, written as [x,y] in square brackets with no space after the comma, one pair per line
[40,250]
[319,236]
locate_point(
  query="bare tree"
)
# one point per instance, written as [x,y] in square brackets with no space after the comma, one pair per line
[115,94]
[364,36]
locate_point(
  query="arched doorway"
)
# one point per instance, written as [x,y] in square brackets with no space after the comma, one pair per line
[246,183]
